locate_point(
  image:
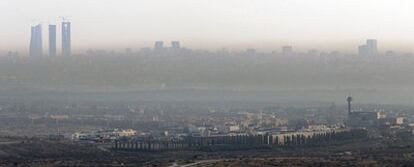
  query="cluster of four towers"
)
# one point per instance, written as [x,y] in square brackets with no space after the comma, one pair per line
[36,43]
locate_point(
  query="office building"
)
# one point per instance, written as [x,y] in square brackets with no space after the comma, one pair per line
[372,49]
[66,38]
[36,48]
[159,45]
[52,40]
[362,50]
[175,45]
[369,49]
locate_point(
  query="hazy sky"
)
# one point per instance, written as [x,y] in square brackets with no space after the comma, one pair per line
[263,24]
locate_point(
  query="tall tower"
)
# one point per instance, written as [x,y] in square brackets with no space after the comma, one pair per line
[36,48]
[52,40]
[349,100]
[372,48]
[66,38]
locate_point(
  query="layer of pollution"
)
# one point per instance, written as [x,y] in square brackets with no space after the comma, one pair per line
[185,75]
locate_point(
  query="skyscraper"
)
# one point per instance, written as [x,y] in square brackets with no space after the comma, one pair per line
[158,45]
[372,49]
[52,40]
[369,49]
[36,48]
[66,39]
[175,44]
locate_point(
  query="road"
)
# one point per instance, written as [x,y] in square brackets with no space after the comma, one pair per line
[203,163]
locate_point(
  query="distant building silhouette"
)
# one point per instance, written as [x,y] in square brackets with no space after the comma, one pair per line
[372,48]
[251,51]
[390,53]
[175,45]
[52,40]
[287,50]
[159,45]
[313,52]
[36,48]
[66,38]
[362,50]
[369,49]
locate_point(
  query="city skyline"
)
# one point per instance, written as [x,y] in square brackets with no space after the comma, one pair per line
[370,48]
[265,25]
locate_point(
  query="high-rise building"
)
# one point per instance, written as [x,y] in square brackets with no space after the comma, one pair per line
[52,40]
[372,49]
[175,44]
[287,50]
[362,50]
[369,49]
[66,38]
[159,45]
[36,48]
